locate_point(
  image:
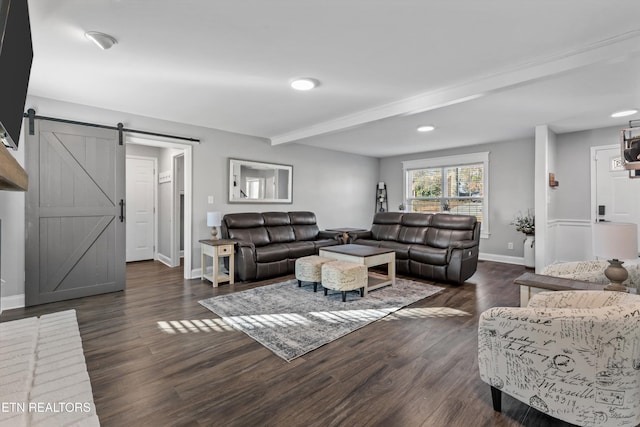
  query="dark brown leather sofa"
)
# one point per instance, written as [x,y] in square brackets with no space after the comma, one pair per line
[270,242]
[440,247]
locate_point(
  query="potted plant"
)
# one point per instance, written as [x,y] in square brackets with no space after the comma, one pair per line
[527,224]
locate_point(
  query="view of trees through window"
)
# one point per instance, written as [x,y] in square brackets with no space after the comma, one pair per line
[453,189]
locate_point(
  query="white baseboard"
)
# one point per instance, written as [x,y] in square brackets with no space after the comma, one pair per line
[501,258]
[165,260]
[11,302]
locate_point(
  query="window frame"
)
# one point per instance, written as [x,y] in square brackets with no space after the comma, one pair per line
[448,162]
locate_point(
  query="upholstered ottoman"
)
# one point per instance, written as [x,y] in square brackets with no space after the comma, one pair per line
[344,276]
[309,269]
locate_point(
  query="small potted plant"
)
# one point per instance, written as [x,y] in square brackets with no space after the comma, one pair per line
[527,224]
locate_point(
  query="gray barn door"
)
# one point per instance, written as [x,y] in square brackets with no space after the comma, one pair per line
[75,234]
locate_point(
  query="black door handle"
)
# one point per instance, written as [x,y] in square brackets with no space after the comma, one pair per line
[121,210]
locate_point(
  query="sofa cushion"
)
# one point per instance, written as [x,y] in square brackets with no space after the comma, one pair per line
[306,232]
[428,255]
[302,218]
[243,220]
[409,235]
[401,249]
[276,218]
[415,219]
[387,218]
[446,228]
[385,231]
[455,222]
[273,252]
[386,225]
[413,228]
[300,249]
[281,234]
[257,235]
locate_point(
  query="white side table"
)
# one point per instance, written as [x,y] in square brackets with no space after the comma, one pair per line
[217,249]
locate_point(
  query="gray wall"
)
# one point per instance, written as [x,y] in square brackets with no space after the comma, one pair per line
[337,186]
[573,163]
[511,170]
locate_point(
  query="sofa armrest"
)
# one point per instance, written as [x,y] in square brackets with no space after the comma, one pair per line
[243,244]
[245,261]
[463,244]
[323,234]
[360,235]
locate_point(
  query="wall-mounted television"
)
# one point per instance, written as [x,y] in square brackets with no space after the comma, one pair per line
[16,56]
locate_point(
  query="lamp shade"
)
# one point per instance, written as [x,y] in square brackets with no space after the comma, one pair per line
[214,219]
[615,240]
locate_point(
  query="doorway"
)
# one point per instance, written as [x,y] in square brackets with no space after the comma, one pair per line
[612,188]
[167,248]
[141,207]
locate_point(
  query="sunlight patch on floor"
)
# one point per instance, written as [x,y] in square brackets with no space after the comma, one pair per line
[267,320]
[351,315]
[427,312]
[295,319]
[190,326]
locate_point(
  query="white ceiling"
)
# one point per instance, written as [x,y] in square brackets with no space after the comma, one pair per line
[479,70]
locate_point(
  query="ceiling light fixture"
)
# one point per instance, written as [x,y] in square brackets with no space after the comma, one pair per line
[624,113]
[426,128]
[102,40]
[305,83]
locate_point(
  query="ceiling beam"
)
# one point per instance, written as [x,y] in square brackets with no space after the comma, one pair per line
[610,49]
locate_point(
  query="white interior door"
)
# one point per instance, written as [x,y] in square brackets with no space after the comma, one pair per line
[619,194]
[140,208]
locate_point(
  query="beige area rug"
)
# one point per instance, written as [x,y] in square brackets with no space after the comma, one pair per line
[43,373]
[292,321]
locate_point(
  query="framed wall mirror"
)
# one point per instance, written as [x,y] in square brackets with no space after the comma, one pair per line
[259,182]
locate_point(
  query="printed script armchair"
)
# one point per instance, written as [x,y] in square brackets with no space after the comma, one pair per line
[574,355]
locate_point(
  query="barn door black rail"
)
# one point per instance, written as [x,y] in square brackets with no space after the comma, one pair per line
[31,115]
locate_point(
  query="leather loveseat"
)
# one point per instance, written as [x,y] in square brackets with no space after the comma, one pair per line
[442,247]
[270,242]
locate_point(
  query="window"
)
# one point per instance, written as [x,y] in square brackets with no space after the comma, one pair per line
[455,184]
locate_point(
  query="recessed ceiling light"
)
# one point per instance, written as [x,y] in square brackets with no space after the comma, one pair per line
[305,83]
[102,40]
[624,113]
[426,128]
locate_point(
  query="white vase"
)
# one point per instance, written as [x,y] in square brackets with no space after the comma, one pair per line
[530,251]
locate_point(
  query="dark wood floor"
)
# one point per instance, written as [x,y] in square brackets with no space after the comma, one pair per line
[412,370]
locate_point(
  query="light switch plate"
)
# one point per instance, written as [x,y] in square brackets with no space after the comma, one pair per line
[210,200]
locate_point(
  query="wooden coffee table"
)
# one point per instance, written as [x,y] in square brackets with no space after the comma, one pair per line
[369,256]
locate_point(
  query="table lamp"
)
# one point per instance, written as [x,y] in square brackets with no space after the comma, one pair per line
[214,220]
[614,241]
